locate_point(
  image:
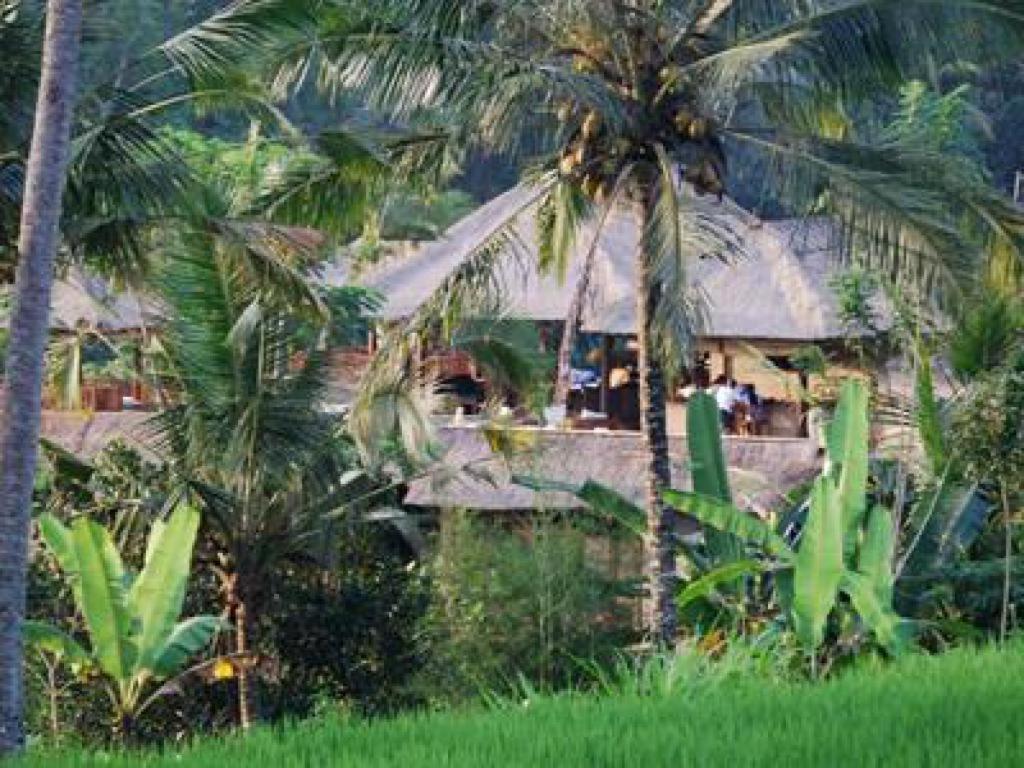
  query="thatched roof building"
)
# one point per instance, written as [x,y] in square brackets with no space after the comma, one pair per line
[778,290]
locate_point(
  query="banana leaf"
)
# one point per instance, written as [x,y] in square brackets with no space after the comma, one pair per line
[892,632]
[711,581]
[186,640]
[46,637]
[59,541]
[104,603]
[158,594]
[949,517]
[725,517]
[708,470]
[609,502]
[875,559]
[847,440]
[818,566]
[600,498]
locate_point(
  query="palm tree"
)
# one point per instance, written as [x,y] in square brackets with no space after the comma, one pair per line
[37,246]
[123,176]
[247,435]
[648,104]
[95,151]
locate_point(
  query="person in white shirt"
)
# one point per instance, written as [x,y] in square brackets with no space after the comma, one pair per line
[726,397]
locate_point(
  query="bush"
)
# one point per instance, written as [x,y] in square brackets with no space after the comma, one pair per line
[512,606]
[346,637]
[340,628]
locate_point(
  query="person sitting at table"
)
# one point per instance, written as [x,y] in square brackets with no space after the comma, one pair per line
[726,398]
[619,377]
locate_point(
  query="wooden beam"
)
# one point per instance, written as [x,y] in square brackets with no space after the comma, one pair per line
[606,353]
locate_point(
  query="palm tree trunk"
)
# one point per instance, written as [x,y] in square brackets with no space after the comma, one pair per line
[1004,618]
[247,704]
[19,434]
[239,611]
[660,561]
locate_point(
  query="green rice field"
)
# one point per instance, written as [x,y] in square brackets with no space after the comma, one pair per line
[965,708]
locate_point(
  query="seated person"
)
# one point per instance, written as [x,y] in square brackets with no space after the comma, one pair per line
[756,407]
[726,397]
[618,377]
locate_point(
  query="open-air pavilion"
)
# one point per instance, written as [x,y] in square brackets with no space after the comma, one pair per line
[762,305]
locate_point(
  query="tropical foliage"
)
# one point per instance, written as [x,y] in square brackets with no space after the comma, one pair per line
[844,547]
[223,154]
[137,637]
[647,107]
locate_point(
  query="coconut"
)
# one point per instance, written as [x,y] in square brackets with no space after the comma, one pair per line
[699,128]
[669,74]
[683,121]
[591,124]
[583,65]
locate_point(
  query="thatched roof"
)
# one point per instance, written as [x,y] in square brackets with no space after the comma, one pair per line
[87,434]
[779,290]
[476,478]
[81,299]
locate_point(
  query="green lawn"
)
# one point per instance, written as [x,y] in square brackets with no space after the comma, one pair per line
[963,709]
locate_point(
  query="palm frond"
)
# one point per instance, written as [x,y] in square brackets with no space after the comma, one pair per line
[332,189]
[393,388]
[392,412]
[278,262]
[402,58]
[986,335]
[244,414]
[682,232]
[859,44]
[559,218]
[506,350]
[122,175]
[902,209]
[217,45]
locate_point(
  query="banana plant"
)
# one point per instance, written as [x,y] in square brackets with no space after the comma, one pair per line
[136,636]
[949,512]
[708,471]
[846,549]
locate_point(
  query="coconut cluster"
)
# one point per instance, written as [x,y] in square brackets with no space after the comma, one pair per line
[663,111]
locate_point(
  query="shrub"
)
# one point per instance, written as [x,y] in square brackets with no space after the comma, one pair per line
[515,605]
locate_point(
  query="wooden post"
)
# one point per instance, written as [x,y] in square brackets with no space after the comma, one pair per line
[728,367]
[805,386]
[606,353]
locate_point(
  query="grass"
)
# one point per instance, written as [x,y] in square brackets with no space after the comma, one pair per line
[961,709]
